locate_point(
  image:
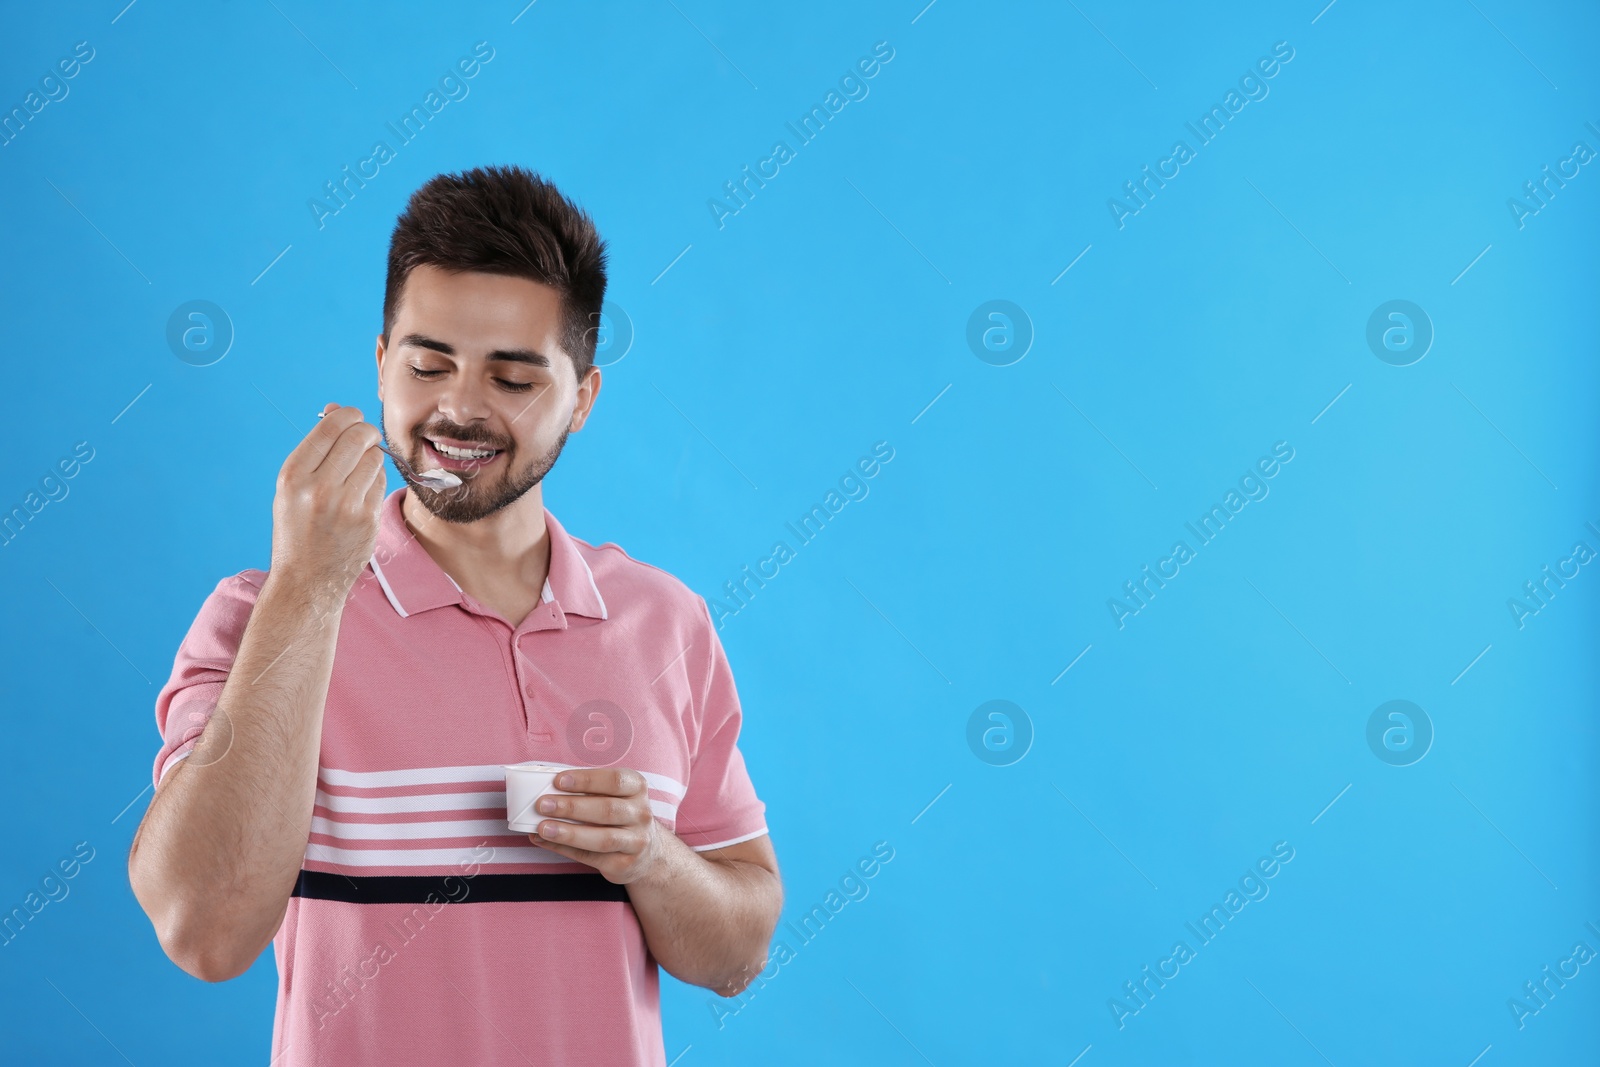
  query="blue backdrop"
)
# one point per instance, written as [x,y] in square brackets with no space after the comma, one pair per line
[1338,346]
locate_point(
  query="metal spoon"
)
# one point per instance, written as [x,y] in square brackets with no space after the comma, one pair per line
[437,478]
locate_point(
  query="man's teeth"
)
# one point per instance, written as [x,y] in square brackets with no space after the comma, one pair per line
[462,453]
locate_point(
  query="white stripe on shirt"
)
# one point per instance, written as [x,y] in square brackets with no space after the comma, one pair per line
[429,857]
[439,802]
[490,772]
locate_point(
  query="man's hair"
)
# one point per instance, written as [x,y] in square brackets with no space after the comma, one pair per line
[505,220]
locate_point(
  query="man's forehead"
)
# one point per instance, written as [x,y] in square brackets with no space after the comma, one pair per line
[467,314]
[428,285]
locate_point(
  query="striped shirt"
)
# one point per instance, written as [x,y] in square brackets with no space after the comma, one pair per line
[542,960]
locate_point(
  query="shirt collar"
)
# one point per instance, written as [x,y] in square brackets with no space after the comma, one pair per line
[413,582]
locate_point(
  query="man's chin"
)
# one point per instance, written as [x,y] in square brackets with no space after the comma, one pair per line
[468,502]
[448,508]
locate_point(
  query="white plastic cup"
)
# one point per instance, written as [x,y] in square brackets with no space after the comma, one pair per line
[525,784]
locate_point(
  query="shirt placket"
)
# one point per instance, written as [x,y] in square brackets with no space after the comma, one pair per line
[533,684]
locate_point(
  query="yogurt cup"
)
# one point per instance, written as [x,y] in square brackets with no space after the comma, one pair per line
[525,784]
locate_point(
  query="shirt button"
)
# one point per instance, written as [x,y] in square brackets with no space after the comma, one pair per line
[530,690]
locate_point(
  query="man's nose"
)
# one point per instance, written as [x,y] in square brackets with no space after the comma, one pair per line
[464,401]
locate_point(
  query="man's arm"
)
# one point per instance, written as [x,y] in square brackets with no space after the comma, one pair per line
[708,917]
[215,860]
[216,857]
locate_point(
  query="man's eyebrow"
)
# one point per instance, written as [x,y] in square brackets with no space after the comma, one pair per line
[499,355]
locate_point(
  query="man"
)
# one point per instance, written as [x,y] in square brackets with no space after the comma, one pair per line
[334,729]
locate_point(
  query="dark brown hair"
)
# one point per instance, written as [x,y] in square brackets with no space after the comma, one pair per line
[505,220]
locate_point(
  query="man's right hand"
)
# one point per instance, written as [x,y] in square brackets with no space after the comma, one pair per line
[330,494]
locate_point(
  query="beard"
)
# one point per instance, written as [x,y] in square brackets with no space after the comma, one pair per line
[479,495]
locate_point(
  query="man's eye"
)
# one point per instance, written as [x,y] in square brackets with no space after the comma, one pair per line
[513,387]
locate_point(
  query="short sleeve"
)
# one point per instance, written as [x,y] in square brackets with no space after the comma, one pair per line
[720,806]
[206,654]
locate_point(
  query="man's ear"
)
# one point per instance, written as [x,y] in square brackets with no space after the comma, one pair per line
[379,355]
[588,391]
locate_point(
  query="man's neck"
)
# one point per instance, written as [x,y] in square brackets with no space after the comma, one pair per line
[503,553]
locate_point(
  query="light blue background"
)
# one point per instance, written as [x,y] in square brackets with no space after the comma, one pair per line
[824,317]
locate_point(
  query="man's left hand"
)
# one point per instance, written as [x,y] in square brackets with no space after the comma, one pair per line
[616,832]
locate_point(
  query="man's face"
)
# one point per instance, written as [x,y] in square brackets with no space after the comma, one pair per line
[474,361]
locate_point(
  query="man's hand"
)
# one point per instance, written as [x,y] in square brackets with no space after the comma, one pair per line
[707,918]
[328,507]
[619,835]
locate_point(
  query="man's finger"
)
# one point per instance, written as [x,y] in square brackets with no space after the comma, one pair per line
[598,809]
[581,855]
[606,781]
[596,839]
[314,448]
[358,441]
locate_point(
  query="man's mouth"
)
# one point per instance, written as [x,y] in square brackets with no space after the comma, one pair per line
[453,457]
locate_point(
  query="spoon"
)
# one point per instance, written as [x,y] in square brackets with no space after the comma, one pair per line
[437,478]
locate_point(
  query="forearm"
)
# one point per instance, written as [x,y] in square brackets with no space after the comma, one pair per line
[708,923]
[216,858]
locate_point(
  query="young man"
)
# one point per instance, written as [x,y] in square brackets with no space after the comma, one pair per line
[334,729]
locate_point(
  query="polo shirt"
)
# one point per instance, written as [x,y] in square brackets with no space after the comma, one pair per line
[422,930]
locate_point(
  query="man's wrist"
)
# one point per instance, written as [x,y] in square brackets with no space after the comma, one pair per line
[319,601]
[672,860]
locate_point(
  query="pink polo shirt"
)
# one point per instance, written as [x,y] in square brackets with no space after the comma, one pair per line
[422,930]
